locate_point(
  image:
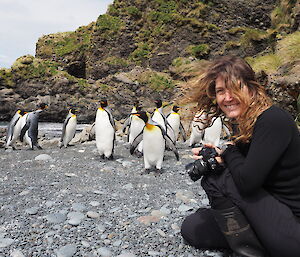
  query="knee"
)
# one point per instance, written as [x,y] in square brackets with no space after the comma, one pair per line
[186,229]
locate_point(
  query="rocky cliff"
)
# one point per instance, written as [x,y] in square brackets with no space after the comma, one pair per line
[142,49]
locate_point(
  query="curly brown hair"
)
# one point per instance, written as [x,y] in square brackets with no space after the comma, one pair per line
[236,73]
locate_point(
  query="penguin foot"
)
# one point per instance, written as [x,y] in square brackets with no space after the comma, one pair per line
[102,156]
[139,154]
[145,172]
[111,158]
[39,147]
[158,172]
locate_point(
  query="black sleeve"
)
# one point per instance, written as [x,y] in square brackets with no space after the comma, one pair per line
[271,136]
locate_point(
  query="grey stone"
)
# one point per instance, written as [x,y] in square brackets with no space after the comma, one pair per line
[66,251]
[56,218]
[43,157]
[104,252]
[5,242]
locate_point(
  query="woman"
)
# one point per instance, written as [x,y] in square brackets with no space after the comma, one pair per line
[255,201]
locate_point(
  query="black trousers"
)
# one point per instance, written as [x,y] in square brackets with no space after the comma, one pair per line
[273,222]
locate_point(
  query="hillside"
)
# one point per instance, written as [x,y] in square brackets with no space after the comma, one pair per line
[143,49]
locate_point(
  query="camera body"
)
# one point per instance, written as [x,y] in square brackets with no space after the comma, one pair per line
[204,166]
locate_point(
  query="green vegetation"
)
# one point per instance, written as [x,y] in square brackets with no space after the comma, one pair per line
[103,87]
[287,51]
[133,12]
[157,81]
[61,44]
[268,63]
[198,51]
[116,61]
[142,52]
[281,16]
[108,26]
[28,67]
[6,78]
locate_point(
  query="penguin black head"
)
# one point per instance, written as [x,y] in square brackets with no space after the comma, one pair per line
[21,112]
[158,103]
[142,115]
[175,108]
[138,108]
[136,103]
[73,110]
[103,103]
[43,106]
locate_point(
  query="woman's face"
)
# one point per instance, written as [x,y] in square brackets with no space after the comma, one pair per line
[231,106]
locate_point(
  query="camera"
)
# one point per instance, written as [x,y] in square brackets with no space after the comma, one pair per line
[204,166]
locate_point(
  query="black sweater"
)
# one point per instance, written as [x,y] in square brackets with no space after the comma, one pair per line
[271,160]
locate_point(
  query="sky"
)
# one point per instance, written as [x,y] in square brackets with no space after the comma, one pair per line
[24,21]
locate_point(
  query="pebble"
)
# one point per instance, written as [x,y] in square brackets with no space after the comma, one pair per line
[126,255]
[75,218]
[104,252]
[93,215]
[78,207]
[43,157]
[67,251]
[56,218]
[5,242]
[17,253]
[32,211]
[94,203]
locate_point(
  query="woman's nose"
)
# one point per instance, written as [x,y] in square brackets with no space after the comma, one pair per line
[228,95]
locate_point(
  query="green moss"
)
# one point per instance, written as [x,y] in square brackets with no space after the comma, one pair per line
[232,44]
[268,63]
[103,87]
[288,49]
[6,78]
[198,51]
[36,68]
[108,26]
[177,62]
[142,52]
[281,16]
[116,61]
[133,12]
[61,44]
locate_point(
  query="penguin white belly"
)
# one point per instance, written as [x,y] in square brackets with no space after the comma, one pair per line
[104,133]
[136,128]
[159,119]
[212,134]
[196,134]
[70,131]
[153,147]
[17,132]
[174,121]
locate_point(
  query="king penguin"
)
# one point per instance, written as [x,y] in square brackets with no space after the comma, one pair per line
[173,119]
[155,140]
[69,128]
[160,118]
[135,126]
[30,128]
[14,129]
[105,131]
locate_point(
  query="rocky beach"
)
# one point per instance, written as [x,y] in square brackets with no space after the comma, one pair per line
[69,202]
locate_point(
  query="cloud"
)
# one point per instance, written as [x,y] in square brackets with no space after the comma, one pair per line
[23,22]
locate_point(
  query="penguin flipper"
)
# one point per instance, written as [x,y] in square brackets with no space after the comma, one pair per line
[24,129]
[136,142]
[111,119]
[171,146]
[64,128]
[183,134]
[126,123]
